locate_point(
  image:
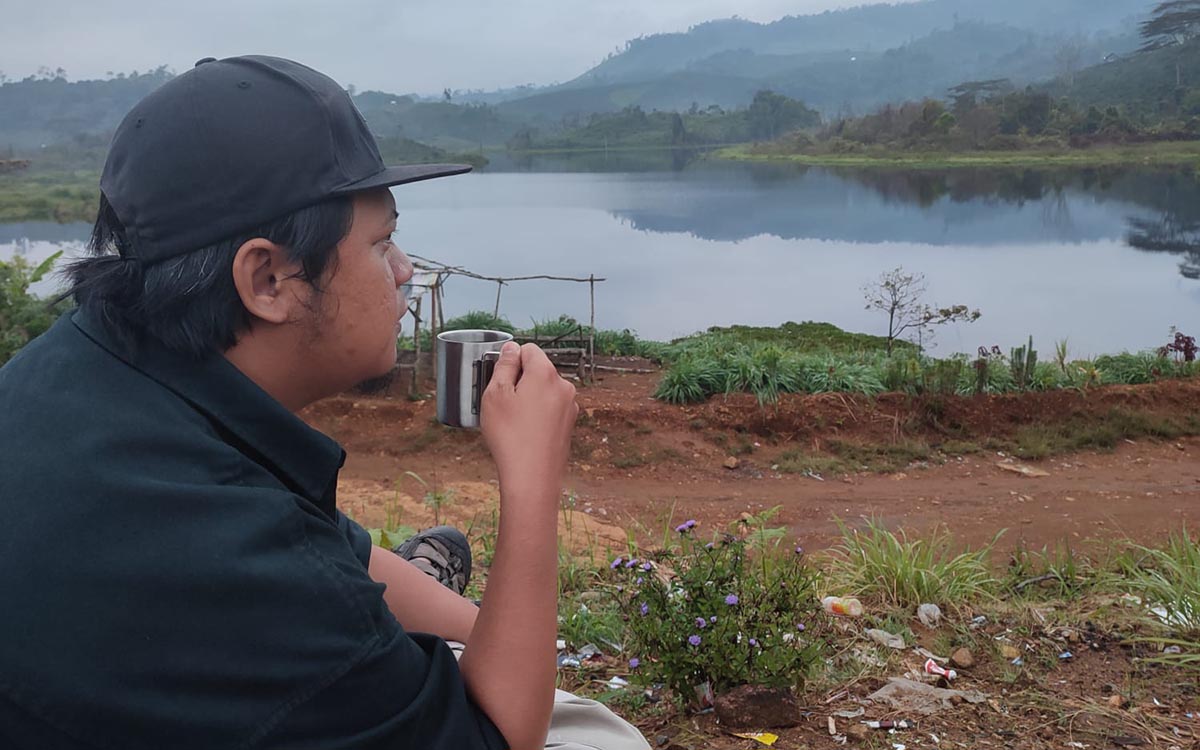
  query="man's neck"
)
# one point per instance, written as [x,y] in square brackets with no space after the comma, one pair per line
[275,365]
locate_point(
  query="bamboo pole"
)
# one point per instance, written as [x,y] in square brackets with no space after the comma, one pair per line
[433,322]
[441,303]
[592,328]
[416,374]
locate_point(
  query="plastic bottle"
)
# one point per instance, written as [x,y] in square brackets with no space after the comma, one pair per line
[836,605]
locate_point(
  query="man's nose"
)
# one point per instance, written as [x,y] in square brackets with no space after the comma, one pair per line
[402,267]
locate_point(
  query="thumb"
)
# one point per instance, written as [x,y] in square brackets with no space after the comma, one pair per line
[508,367]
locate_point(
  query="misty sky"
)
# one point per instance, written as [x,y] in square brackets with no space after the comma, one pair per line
[394,45]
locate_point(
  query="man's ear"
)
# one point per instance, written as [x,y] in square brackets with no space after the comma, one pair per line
[265,280]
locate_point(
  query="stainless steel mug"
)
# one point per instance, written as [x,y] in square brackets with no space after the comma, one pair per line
[465,361]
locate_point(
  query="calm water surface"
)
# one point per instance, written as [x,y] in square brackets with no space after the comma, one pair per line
[1107,259]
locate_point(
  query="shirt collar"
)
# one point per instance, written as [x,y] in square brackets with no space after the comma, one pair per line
[304,459]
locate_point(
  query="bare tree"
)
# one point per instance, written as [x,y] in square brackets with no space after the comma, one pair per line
[899,294]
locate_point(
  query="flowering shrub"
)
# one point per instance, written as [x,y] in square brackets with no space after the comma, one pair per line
[721,612]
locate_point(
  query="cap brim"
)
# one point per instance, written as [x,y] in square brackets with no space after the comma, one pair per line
[403,175]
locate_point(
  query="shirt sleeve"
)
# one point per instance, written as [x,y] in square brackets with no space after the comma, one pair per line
[360,711]
[357,536]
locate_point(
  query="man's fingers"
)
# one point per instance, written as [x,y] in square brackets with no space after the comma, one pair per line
[533,359]
[508,366]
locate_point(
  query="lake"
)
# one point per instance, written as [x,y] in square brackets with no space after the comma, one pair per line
[1108,259]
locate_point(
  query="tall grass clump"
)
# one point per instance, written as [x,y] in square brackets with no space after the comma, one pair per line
[1167,580]
[878,564]
[1133,369]
[689,381]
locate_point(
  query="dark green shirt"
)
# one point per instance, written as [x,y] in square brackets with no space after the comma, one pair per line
[174,572]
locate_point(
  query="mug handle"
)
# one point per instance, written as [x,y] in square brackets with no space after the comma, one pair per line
[483,369]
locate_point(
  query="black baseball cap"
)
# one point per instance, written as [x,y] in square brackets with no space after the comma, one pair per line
[232,144]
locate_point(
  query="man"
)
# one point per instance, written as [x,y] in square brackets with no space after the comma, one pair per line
[173,570]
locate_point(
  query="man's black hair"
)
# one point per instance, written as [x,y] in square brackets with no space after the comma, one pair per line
[188,303]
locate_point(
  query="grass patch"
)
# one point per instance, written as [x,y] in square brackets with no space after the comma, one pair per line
[47,196]
[1105,433]
[960,448]
[1167,578]
[1056,572]
[804,338]
[900,572]
[1163,153]
[883,458]
[801,462]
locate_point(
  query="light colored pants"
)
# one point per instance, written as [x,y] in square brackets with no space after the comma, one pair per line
[582,724]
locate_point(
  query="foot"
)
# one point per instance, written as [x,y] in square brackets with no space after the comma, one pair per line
[441,552]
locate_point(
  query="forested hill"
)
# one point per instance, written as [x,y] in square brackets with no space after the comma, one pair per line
[49,108]
[848,61]
[866,29]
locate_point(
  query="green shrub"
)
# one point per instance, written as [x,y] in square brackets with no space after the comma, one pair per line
[729,612]
[1133,369]
[23,316]
[689,381]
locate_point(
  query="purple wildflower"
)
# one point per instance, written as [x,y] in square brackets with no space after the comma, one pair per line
[731,599]
[753,641]
[708,546]
[616,563]
[694,640]
[640,580]
[800,627]
[634,663]
[647,566]
[713,619]
[632,561]
[645,608]
[701,622]
[799,550]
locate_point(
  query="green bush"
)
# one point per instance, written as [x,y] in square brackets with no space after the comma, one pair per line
[23,316]
[728,612]
[1133,369]
[689,381]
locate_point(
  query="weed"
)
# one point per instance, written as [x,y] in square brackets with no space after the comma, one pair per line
[1056,572]
[800,462]
[906,573]
[1167,579]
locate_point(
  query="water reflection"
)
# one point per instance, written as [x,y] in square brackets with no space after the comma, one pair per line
[1149,209]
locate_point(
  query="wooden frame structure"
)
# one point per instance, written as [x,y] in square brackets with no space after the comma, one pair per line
[442,272]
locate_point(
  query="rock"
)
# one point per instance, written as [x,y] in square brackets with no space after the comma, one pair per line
[731,463]
[757,707]
[1009,652]
[1117,701]
[1023,470]
[858,731]
[962,658]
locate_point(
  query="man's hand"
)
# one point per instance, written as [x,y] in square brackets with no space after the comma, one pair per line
[527,415]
